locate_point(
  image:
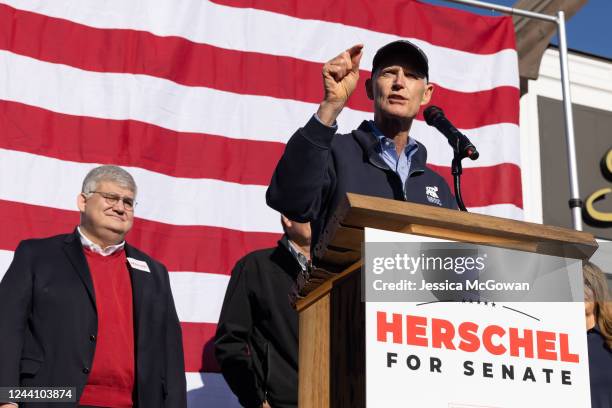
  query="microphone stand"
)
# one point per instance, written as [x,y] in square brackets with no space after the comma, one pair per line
[457,170]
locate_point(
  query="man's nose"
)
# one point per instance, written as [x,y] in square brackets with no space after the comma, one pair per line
[399,81]
[119,207]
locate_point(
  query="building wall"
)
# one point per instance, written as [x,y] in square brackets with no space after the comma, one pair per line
[543,142]
[591,86]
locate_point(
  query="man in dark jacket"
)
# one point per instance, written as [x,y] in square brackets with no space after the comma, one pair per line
[380,158]
[257,335]
[88,311]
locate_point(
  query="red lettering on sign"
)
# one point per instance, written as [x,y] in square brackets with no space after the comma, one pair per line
[416,330]
[383,327]
[546,345]
[442,332]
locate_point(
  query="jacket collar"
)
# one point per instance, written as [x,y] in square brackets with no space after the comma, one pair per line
[369,144]
[140,281]
[74,251]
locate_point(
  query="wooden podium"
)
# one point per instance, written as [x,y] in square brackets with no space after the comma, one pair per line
[331,313]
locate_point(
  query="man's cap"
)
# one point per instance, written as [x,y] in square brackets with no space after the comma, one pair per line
[405,49]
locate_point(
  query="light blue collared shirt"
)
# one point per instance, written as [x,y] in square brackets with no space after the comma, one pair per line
[400,165]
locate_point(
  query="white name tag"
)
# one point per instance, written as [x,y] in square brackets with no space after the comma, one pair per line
[136,264]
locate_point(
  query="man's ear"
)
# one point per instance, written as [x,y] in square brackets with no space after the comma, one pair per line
[368,87]
[81,202]
[429,88]
[286,222]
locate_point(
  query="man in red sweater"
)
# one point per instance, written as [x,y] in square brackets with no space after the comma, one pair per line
[89,311]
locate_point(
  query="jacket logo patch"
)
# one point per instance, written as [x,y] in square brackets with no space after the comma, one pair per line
[432,195]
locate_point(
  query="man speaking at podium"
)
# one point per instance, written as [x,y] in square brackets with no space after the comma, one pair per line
[379,158]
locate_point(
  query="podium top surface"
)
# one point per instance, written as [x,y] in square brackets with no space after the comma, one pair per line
[343,235]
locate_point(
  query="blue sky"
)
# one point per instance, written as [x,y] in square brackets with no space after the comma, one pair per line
[589,30]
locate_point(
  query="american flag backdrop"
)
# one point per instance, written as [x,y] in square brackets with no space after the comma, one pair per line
[196,99]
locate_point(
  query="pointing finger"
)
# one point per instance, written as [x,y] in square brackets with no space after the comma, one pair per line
[355,50]
[355,62]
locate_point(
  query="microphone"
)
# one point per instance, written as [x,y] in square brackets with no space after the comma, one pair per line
[434,116]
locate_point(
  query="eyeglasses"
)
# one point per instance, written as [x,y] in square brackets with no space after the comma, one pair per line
[112,199]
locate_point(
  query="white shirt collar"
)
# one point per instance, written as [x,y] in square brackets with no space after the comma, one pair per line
[93,247]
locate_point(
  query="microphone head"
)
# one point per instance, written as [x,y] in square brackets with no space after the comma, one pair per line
[472,153]
[432,113]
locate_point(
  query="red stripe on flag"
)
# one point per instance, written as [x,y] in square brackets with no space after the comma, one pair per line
[180,248]
[131,143]
[189,155]
[482,186]
[469,110]
[198,346]
[138,52]
[438,25]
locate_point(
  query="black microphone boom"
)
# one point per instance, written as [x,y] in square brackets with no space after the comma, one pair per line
[434,116]
[462,147]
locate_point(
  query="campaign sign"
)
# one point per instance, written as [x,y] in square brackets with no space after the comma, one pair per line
[471,326]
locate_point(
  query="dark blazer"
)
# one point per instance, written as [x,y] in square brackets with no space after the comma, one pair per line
[48,324]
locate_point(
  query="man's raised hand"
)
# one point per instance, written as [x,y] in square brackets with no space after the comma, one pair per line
[340,76]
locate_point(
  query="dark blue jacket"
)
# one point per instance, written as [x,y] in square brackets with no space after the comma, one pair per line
[317,169]
[600,369]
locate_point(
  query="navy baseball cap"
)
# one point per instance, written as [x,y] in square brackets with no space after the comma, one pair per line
[405,49]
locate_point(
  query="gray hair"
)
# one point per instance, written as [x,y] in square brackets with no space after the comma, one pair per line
[110,173]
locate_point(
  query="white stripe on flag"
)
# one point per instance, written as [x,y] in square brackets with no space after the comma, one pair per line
[209,23]
[63,89]
[49,182]
[6,257]
[500,210]
[209,390]
[198,297]
[496,144]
